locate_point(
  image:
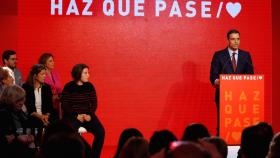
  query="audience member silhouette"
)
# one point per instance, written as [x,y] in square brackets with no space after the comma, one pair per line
[63,144]
[125,135]
[160,143]
[62,127]
[189,150]
[254,142]
[220,144]
[135,147]
[195,131]
[57,127]
[274,150]
[268,129]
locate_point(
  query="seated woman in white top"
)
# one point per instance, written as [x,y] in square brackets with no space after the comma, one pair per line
[39,97]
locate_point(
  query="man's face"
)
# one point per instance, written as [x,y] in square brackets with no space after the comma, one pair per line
[234,41]
[12,61]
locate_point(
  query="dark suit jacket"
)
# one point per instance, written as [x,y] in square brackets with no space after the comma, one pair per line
[9,122]
[221,64]
[47,105]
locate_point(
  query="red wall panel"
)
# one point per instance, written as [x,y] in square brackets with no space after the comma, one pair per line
[150,72]
[276,64]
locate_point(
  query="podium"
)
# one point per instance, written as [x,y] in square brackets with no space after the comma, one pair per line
[241,104]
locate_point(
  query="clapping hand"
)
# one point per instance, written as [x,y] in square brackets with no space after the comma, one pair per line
[80,117]
[87,118]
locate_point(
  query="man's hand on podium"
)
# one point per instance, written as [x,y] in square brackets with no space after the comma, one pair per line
[217,83]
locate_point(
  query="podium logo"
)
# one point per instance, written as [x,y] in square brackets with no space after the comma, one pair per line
[233,9]
[236,135]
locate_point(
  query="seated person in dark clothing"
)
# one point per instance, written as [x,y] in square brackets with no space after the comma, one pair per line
[59,141]
[79,103]
[12,119]
[39,97]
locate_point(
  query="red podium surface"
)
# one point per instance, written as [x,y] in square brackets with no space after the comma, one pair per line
[241,104]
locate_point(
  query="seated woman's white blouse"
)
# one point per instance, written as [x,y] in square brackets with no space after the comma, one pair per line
[38,100]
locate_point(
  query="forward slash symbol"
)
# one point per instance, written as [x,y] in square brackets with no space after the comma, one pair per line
[219,10]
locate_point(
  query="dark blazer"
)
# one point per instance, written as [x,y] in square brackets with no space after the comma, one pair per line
[47,104]
[9,122]
[221,64]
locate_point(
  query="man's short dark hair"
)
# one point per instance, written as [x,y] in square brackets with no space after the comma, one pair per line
[77,71]
[231,32]
[6,55]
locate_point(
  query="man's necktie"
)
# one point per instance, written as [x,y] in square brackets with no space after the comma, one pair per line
[233,61]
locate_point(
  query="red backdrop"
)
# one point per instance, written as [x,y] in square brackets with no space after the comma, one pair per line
[276,65]
[150,72]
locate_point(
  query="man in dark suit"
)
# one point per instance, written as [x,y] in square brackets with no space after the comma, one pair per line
[230,60]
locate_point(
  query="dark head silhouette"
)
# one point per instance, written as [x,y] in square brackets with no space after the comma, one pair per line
[220,144]
[125,135]
[161,140]
[135,147]
[195,131]
[274,150]
[189,150]
[254,142]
